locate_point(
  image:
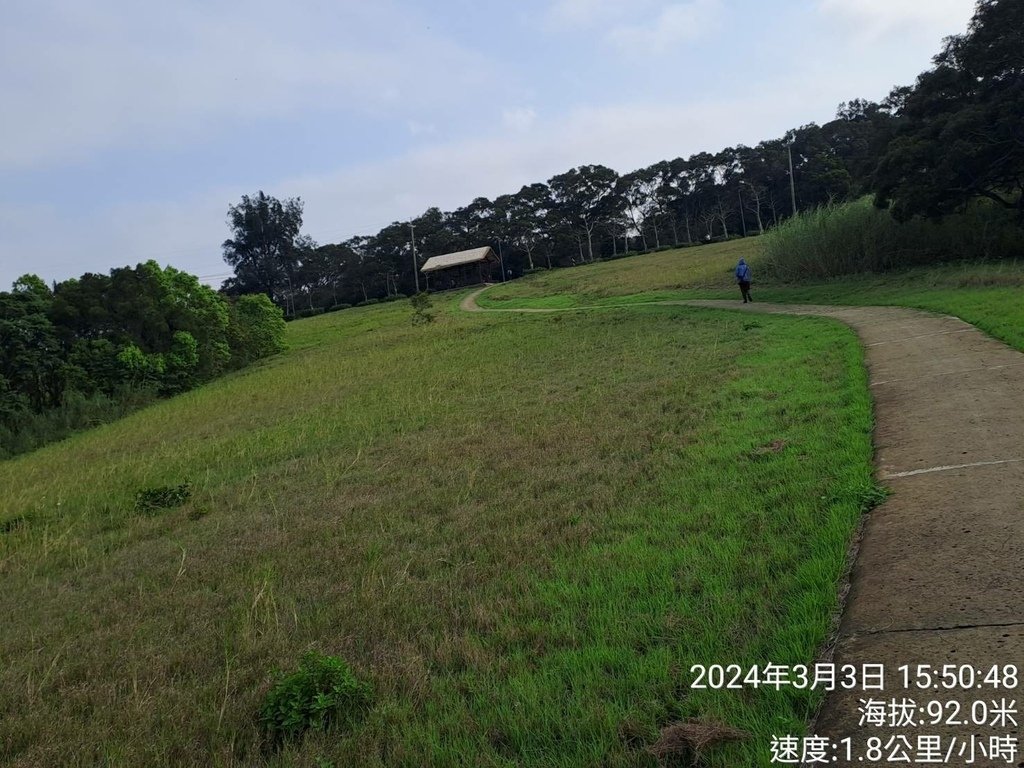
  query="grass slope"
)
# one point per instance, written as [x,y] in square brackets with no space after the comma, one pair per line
[522,530]
[988,295]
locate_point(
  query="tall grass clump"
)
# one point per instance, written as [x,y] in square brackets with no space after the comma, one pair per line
[856,237]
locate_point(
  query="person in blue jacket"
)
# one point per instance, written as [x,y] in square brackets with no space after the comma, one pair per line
[743,278]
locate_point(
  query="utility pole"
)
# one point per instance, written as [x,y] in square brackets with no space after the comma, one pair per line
[415,269]
[792,183]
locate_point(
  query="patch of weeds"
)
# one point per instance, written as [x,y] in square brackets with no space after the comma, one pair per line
[871,495]
[15,524]
[150,500]
[322,692]
[198,512]
[866,496]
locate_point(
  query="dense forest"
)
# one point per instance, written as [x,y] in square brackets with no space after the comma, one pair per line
[92,348]
[927,150]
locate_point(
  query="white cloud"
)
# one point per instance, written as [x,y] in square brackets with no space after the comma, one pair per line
[115,73]
[870,19]
[417,128]
[641,25]
[582,13]
[519,118]
[677,22]
[599,14]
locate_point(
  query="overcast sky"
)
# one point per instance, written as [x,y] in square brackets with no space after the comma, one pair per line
[129,127]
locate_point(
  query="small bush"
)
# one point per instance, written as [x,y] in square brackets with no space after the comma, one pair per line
[310,312]
[368,302]
[338,307]
[321,693]
[420,306]
[150,500]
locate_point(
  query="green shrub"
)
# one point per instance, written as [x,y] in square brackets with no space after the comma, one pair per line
[856,237]
[368,302]
[421,305]
[338,307]
[321,693]
[151,500]
[255,329]
[313,312]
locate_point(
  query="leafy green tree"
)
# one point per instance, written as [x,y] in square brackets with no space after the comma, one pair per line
[32,373]
[256,329]
[960,135]
[265,246]
[580,196]
[527,209]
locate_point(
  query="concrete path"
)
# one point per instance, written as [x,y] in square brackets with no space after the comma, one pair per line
[938,577]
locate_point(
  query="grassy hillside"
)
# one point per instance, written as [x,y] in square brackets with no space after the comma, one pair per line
[703,267]
[522,530]
[987,294]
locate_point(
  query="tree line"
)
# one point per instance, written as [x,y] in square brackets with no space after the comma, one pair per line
[927,149]
[584,214]
[91,348]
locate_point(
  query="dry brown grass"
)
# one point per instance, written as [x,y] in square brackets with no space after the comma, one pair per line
[691,740]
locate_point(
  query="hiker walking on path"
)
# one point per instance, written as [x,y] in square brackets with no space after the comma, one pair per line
[743,278]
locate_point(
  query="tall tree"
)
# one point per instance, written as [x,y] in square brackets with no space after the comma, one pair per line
[579,196]
[960,135]
[264,249]
[527,209]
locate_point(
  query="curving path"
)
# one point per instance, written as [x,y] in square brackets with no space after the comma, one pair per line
[937,580]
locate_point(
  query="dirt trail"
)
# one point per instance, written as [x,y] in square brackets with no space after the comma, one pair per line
[937,580]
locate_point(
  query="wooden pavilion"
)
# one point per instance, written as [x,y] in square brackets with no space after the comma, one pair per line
[460,269]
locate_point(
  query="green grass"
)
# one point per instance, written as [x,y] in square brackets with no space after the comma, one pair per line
[989,295]
[702,267]
[522,531]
